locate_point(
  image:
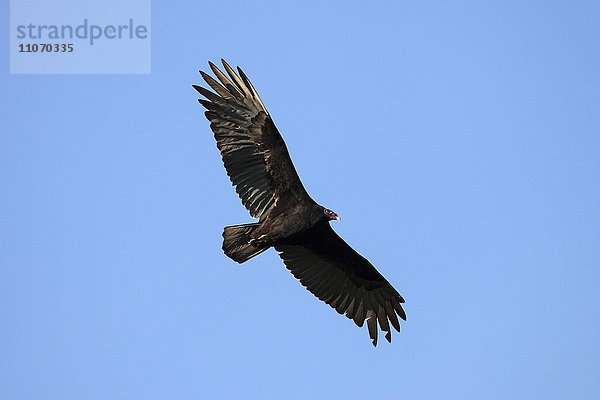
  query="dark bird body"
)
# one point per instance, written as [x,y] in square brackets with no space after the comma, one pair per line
[259,166]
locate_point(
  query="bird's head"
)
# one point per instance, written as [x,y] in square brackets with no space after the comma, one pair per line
[331,215]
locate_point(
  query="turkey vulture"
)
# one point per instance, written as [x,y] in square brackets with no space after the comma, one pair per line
[260,168]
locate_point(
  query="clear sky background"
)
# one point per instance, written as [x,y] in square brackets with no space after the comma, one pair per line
[458,140]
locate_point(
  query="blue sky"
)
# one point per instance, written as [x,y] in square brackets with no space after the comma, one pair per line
[459,141]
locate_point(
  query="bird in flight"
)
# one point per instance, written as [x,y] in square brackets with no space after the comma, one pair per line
[289,220]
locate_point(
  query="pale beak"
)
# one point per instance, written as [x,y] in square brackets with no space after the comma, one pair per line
[337,218]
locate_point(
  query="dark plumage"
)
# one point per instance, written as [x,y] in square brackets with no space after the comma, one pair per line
[260,168]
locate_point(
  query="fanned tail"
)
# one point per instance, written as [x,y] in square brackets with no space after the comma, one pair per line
[236,242]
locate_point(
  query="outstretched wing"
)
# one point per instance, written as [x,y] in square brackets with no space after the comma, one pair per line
[334,272]
[253,151]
